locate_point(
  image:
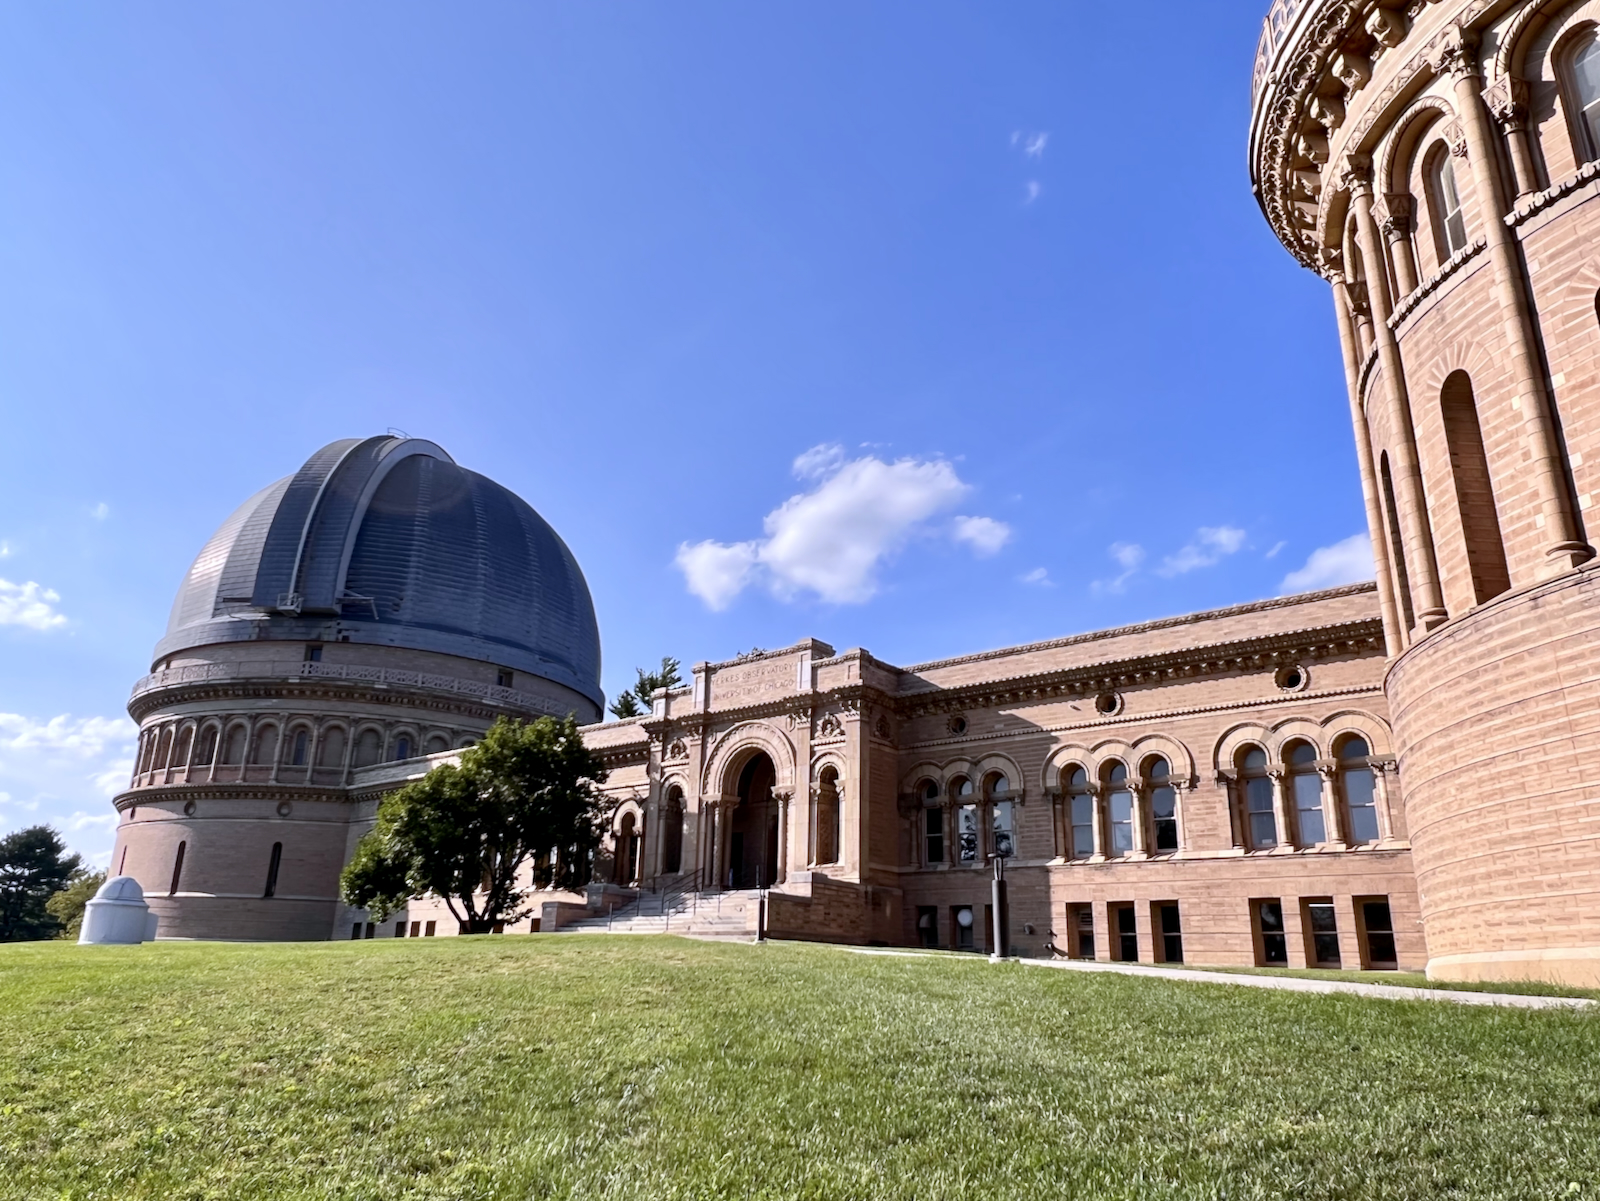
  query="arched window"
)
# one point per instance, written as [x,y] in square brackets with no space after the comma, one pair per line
[300,754]
[149,740]
[828,804]
[1305,786]
[1119,810]
[1449,222]
[966,820]
[1397,546]
[266,746]
[1360,790]
[163,750]
[402,747]
[1469,468]
[369,746]
[177,868]
[1261,824]
[330,751]
[1585,73]
[1163,805]
[672,833]
[233,749]
[272,870]
[932,823]
[438,744]
[185,742]
[208,746]
[1080,812]
[1002,817]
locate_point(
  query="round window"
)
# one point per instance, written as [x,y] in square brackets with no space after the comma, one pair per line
[958,724]
[189,808]
[964,918]
[1107,704]
[1292,678]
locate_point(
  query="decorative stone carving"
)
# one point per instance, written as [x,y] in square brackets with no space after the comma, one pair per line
[1327,111]
[830,727]
[1387,26]
[677,751]
[1507,99]
[1353,70]
[1455,137]
[881,727]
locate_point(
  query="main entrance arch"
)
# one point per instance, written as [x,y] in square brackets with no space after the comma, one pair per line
[753,827]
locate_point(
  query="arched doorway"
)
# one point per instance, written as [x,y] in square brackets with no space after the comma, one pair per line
[753,831]
[627,870]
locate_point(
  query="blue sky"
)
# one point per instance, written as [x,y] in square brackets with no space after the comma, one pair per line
[927,328]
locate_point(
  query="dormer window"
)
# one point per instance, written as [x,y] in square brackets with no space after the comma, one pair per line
[503,677]
[313,652]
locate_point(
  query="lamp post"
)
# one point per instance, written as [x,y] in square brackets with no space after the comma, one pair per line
[1000,942]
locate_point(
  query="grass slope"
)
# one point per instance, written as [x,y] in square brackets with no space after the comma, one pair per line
[657,1068]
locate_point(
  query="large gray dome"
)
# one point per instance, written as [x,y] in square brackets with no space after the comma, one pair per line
[392,543]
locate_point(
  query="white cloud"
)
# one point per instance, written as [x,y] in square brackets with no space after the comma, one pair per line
[1128,556]
[101,511]
[1039,577]
[29,605]
[819,461]
[5,549]
[1210,545]
[717,573]
[1347,562]
[1277,547]
[1033,191]
[1031,144]
[985,535]
[831,540]
[63,771]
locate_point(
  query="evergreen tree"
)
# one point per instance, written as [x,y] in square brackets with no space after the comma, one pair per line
[34,866]
[636,701]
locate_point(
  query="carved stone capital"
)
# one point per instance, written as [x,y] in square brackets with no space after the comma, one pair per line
[1507,99]
[1396,217]
[1357,174]
[1455,54]
[1455,136]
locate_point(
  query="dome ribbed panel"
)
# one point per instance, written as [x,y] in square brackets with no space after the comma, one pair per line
[238,582]
[197,598]
[275,575]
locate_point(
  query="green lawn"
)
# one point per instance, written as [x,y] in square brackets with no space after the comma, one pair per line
[520,1067]
[1414,980]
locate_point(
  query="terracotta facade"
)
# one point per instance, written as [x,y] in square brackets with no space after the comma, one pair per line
[1437,164]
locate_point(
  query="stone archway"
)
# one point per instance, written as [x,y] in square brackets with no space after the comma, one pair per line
[753,841]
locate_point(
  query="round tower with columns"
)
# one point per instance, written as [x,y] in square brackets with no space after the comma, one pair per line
[382,604]
[1438,163]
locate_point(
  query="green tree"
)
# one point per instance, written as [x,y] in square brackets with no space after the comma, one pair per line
[34,866]
[635,702]
[67,905]
[529,791]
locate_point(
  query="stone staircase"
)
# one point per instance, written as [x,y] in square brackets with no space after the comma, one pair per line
[710,915]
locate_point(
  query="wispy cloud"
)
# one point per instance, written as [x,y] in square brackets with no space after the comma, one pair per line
[1032,192]
[101,511]
[1127,555]
[1039,577]
[1276,548]
[831,540]
[1209,546]
[1031,144]
[1346,562]
[62,771]
[31,605]
[984,535]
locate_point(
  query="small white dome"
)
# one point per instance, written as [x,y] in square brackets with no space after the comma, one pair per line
[120,888]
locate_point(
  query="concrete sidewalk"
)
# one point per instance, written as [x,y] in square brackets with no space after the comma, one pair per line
[1387,992]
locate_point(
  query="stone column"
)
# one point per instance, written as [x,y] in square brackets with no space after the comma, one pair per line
[781,870]
[1396,226]
[1058,838]
[1179,787]
[1380,781]
[1563,549]
[1427,600]
[947,820]
[1393,637]
[1236,816]
[1141,841]
[1507,99]
[1332,813]
[1280,806]
[1099,795]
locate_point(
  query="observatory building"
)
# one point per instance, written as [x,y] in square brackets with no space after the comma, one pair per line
[380,604]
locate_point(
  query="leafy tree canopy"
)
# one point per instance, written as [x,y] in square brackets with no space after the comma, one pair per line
[67,906]
[34,866]
[527,791]
[635,702]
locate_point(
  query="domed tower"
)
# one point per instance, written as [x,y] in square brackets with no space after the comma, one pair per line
[380,604]
[1436,163]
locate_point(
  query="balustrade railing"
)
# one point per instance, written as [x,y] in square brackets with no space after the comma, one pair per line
[201,673]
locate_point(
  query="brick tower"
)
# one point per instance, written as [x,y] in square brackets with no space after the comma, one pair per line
[1436,163]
